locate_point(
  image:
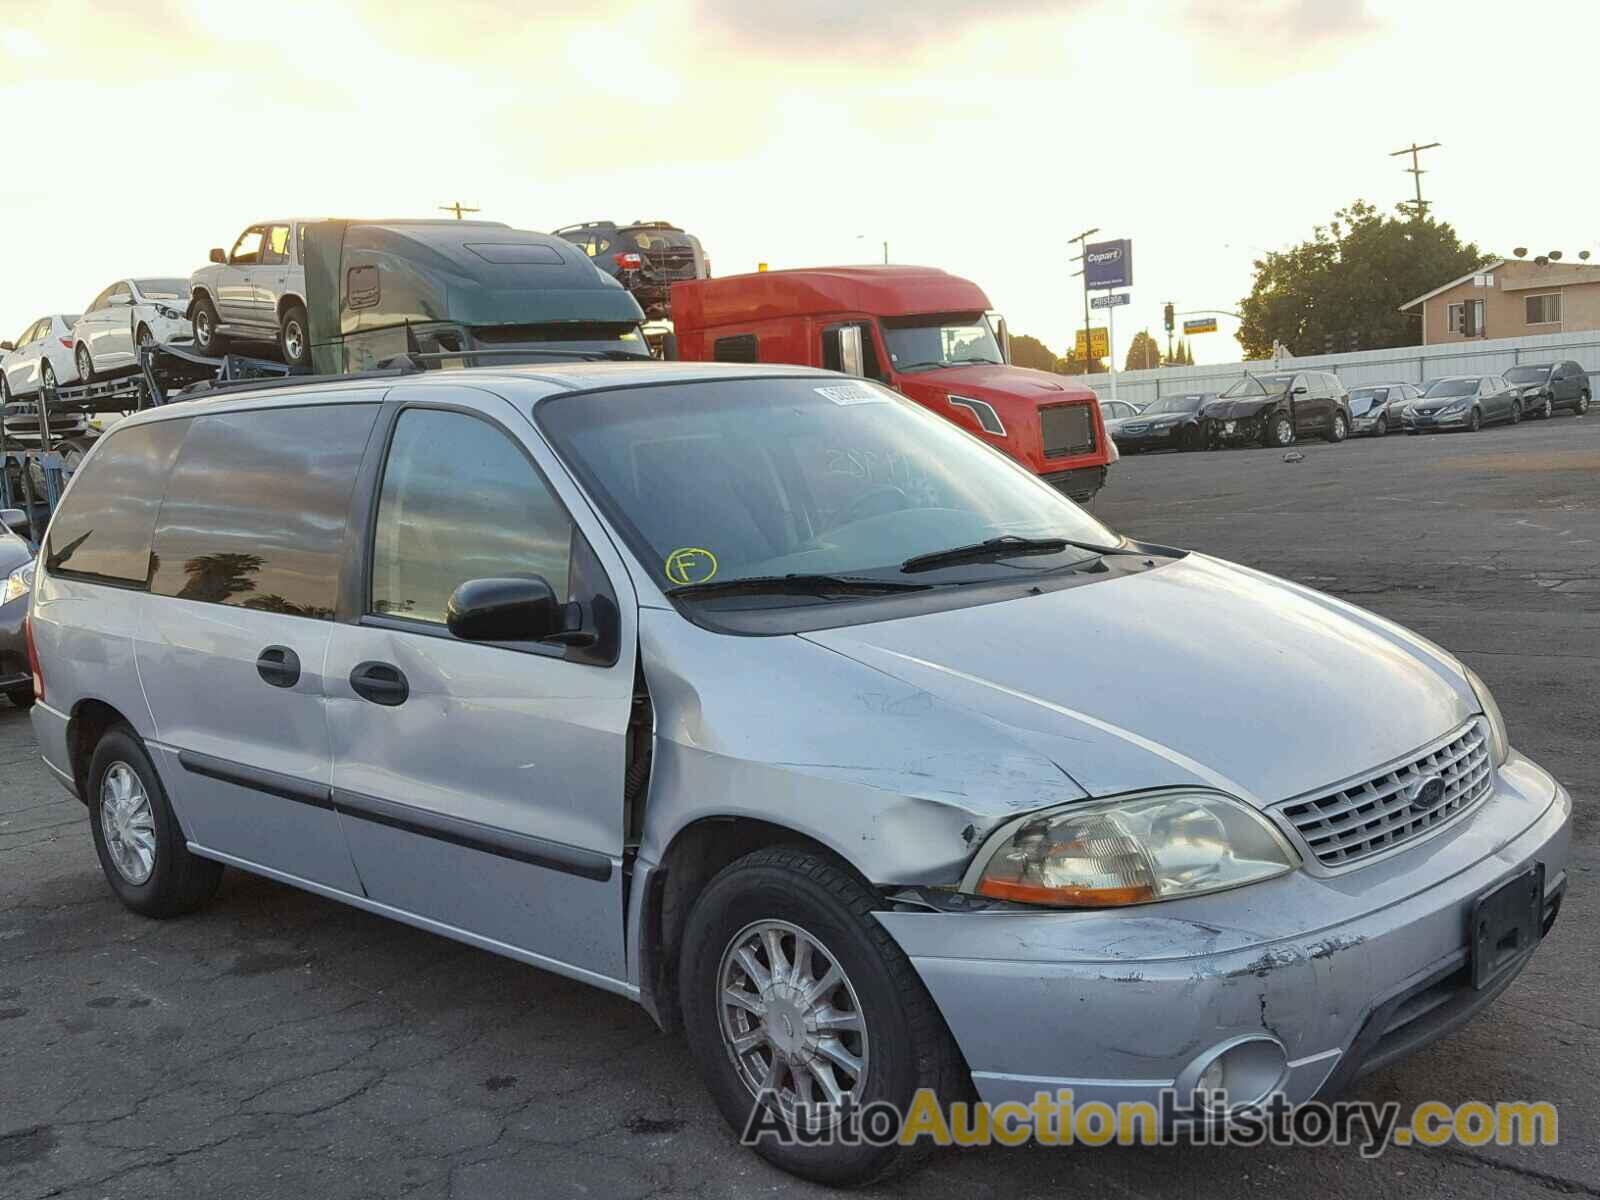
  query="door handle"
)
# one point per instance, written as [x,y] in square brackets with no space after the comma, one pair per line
[380,683]
[279,666]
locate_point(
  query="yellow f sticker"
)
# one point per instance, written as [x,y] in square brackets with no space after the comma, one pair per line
[691,564]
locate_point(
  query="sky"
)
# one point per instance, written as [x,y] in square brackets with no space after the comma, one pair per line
[970,137]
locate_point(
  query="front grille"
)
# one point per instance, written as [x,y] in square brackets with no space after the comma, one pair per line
[1376,815]
[1066,429]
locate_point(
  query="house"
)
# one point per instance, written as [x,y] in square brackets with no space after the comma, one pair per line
[1511,298]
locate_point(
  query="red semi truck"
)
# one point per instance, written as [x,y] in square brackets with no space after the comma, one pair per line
[927,334]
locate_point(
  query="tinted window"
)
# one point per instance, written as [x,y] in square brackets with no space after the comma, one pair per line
[255,512]
[247,249]
[276,248]
[104,526]
[741,348]
[460,501]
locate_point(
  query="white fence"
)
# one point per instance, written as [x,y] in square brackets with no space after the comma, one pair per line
[1410,364]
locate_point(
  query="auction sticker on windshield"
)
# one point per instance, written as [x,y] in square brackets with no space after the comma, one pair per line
[851,393]
[691,564]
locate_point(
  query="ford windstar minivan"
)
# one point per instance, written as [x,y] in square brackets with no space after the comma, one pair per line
[779,704]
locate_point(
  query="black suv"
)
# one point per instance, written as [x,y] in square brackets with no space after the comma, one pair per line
[1544,387]
[647,258]
[1275,409]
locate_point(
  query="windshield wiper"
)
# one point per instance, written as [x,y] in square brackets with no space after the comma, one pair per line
[988,362]
[1008,546]
[796,585]
[933,362]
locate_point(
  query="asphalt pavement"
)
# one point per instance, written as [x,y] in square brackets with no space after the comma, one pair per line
[278,1044]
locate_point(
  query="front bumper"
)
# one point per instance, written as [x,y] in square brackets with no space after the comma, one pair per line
[1232,431]
[1154,439]
[1079,483]
[1425,421]
[1346,972]
[14,670]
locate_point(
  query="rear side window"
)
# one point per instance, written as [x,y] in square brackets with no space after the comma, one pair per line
[741,348]
[256,509]
[103,530]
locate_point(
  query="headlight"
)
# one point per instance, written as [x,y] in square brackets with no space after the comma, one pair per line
[1156,847]
[1454,406]
[1499,743]
[18,584]
[170,314]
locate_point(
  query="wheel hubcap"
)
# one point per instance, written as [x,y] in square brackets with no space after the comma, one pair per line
[128,823]
[202,327]
[83,363]
[292,339]
[791,1022]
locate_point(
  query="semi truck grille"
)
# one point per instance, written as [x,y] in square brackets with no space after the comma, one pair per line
[1066,429]
[1384,811]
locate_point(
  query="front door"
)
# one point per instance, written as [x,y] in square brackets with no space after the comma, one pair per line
[269,277]
[246,567]
[235,288]
[481,785]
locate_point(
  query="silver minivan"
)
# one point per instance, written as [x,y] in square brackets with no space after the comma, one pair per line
[780,705]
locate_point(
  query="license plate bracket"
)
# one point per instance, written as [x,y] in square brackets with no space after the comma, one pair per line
[1507,922]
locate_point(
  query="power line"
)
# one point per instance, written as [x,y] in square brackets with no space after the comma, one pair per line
[1419,206]
[458,208]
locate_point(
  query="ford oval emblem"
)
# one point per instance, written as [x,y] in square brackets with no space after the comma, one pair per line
[1426,794]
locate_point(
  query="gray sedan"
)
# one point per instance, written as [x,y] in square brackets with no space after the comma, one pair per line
[1464,402]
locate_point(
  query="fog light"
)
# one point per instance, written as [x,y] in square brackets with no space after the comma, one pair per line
[1237,1074]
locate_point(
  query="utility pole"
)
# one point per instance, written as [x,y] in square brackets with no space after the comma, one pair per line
[458,208]
[1088,333]
[1419,206]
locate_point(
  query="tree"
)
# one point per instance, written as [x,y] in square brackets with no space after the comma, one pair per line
[1143,352]
[1073,365]
[1349,280]
[1031,352]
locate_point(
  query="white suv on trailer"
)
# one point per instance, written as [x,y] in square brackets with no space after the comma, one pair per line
[254,292]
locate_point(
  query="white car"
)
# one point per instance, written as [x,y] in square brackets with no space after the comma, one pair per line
[41,353]
[254,292]
[128,314]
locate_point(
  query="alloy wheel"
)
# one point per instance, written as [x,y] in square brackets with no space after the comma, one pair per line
[202,328]
[293,340]
[1548,410]
[128,822]
[791,1022]
[85,363]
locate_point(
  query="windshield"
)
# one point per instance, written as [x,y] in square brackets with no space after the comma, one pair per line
[927,343]
[1258,385]
[1455,387]
[1172,404]
[1369,394]
[1527,374]
[747,478]
[162,289]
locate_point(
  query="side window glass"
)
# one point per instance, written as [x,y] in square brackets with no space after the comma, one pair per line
[104,528]
[740,348]
[247,250]
[276,249]
[460,500]
[257,505]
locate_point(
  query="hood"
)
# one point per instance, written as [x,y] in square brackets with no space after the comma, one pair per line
[1000,384]
[1199,672]
[1245,406]
[1360,406]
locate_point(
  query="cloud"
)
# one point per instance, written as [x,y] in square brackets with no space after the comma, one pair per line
[848,28]
[1297,27]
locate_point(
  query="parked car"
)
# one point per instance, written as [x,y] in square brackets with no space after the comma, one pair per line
[254,292]
[1379,408]
[1172,422]
[128,314]
[647,257]
[1277,408]
[1464,402]
[1545,387]
[743,692]
[928,334]
[41,356]
[1116,410]
[16,582]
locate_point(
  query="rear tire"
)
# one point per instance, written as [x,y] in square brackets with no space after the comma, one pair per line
[1581,405]
[176,881]
[204,322]
[1339,430]
[294,341]
[21,697]
[903,1044]
[85,362]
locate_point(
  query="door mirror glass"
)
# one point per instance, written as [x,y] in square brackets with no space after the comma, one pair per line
[850,356]
[1299,390]
[504,610]
[8,346]
[218,254]
[15,520]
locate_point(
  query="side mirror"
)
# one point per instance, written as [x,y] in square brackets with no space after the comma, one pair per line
[218,254]
[504,610]
[7,346]
[15,520]
[851,359]
[1299,391]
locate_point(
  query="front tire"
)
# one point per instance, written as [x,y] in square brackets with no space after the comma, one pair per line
[294,342]
[1280,430]
[1475,421]
[1547,409]
[136,834]
[47,379]
[1383,425]
[204,322]
[1516,412]
[769,931]
[1339,430]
